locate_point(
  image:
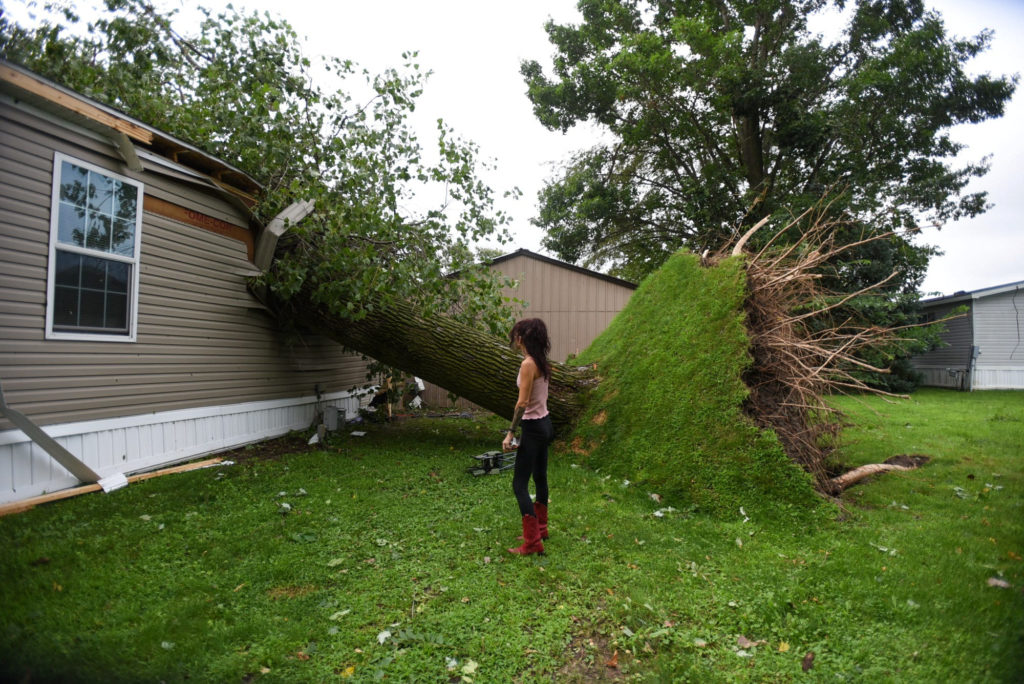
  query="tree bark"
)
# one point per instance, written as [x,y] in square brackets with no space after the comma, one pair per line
[463,360]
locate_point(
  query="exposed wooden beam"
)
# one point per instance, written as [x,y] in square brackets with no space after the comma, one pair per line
[248,199]
[194,218]
[58,97]
[20,506]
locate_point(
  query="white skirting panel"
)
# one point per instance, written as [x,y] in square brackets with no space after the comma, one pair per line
[144,442]
[998,377]
[985,377]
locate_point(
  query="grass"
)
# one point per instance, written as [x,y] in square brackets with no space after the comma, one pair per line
[391,564]
[669,409]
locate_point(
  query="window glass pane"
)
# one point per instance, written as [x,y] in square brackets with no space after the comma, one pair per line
[117,311]
[65,306]
[94,273]
[127,198]
[68,269]
[117,276]
[71,225]
[101,193]
[124,237]
[99,232]
[73,184]
[92,306]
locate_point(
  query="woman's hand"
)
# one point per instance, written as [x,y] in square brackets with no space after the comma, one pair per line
[507,444]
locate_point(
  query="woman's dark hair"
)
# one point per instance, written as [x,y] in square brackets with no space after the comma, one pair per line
[534,335]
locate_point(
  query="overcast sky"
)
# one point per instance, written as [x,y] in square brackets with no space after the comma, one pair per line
[474,48]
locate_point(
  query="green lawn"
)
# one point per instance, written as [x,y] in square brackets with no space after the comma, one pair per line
[391,564]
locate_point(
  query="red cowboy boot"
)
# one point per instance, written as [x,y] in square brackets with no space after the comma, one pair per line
[542,519]
[531,537]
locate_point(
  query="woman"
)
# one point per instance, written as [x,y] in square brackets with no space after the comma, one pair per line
[530,337]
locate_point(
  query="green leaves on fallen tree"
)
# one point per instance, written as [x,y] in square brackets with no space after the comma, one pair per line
[390,217]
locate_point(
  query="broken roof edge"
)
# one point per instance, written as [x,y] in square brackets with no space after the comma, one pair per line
[38,90]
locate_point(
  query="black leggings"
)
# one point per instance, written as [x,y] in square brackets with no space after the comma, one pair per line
[532,459]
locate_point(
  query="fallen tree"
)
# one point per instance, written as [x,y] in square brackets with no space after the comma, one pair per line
[801,351]
[461,358]
[726,366]
[712,383]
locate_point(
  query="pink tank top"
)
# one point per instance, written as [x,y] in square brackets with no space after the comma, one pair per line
[537,406]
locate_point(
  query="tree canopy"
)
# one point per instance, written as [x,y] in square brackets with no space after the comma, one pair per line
[719,114]
[239,87]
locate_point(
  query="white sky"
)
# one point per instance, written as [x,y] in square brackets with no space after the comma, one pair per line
[475,47]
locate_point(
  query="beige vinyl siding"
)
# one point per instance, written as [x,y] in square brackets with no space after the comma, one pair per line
[203,340]
[576,306]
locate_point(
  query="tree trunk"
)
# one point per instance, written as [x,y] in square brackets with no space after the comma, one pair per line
[751,151]
[463,360]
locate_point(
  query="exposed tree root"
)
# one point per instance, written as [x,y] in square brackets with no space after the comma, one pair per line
[854,476]
[801,352]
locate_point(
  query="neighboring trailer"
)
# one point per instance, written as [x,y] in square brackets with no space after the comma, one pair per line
[575,303]
[984,347]
[126,327]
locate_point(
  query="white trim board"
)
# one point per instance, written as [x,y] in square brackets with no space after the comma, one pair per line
[148,441]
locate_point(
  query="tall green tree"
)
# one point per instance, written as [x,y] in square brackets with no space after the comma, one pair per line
[718,113]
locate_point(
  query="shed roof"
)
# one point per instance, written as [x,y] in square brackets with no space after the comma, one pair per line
[563,264]
[963,296]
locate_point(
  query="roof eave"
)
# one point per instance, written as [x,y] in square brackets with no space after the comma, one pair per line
[120,127]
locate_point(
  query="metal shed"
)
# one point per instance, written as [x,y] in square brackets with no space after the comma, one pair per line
[984,349]
[576,304]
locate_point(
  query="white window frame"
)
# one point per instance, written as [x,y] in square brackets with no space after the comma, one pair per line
[133,260]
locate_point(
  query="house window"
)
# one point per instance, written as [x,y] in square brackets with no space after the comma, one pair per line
[95,229]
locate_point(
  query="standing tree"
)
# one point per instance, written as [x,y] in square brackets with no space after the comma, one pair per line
[719,113]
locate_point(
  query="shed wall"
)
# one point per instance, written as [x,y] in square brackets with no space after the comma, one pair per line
[575,306]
